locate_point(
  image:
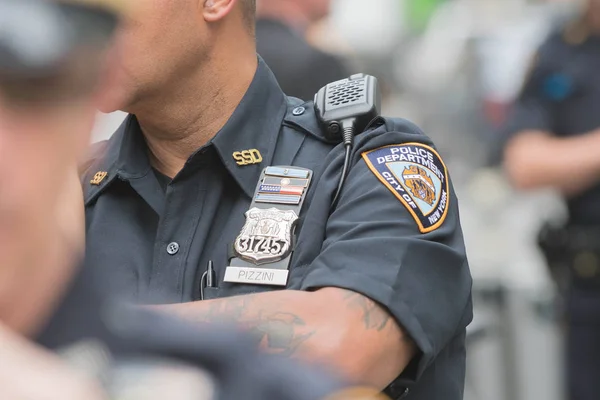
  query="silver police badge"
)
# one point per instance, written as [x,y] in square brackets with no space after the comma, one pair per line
[267,235]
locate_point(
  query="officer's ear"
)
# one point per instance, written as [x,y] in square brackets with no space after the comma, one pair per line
[215,10]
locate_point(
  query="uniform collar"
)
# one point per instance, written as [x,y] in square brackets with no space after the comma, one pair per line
[127,150]
[126,153]
[107,161]
[255,124]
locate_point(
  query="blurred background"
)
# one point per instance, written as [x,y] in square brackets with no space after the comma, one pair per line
[454,67]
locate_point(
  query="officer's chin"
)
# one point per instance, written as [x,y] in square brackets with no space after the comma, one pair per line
[111,102]
[112,94]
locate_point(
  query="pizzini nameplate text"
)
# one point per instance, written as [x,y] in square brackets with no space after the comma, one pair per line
[257,276]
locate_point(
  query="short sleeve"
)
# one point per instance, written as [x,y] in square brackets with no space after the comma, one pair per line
[533,109]
[395,237]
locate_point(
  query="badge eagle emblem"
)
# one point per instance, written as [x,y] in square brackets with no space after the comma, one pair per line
[266,236]
[419,183]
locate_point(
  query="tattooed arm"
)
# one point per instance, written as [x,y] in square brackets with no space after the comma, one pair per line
[337,327]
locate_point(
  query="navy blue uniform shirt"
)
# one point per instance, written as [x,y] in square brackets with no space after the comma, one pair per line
[561,96]
[394,237]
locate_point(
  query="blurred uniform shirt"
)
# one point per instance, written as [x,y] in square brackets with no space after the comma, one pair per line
[561,95]
[300,69]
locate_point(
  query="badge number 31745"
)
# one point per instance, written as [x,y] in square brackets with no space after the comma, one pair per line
[261,245]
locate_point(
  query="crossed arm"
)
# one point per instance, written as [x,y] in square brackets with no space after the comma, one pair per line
[535,159]
[332,326]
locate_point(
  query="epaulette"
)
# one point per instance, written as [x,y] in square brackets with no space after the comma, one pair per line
[302,116]
[395,125]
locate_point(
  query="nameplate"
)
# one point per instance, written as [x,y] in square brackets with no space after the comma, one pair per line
[257,276]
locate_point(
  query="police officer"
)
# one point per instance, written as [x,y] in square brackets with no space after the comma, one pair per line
[555,142]
[53,58]
[217,192]
[300,68]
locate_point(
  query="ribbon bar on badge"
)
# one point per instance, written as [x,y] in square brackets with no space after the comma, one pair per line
[287,172]
[277,189]
[278,198]
[279,181]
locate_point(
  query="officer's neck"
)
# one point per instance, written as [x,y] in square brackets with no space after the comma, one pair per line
[187,115]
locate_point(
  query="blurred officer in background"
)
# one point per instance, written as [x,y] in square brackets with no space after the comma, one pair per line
[556,143]
[54,57]
[198,198]
[300,68]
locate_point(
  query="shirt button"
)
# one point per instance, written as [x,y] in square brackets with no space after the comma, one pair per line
[298,111]
[173,248]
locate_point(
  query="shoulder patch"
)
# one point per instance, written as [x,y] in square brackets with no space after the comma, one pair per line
[417,176]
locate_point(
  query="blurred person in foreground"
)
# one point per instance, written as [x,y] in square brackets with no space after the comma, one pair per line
[60,336]
[555,142]
[300,68]
[213,201]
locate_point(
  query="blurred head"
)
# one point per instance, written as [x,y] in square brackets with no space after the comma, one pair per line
[50,79]
[172,40]
[594,13]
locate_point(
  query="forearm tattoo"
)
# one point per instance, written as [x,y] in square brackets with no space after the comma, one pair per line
[277,332]
[373,315]
[281,330]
